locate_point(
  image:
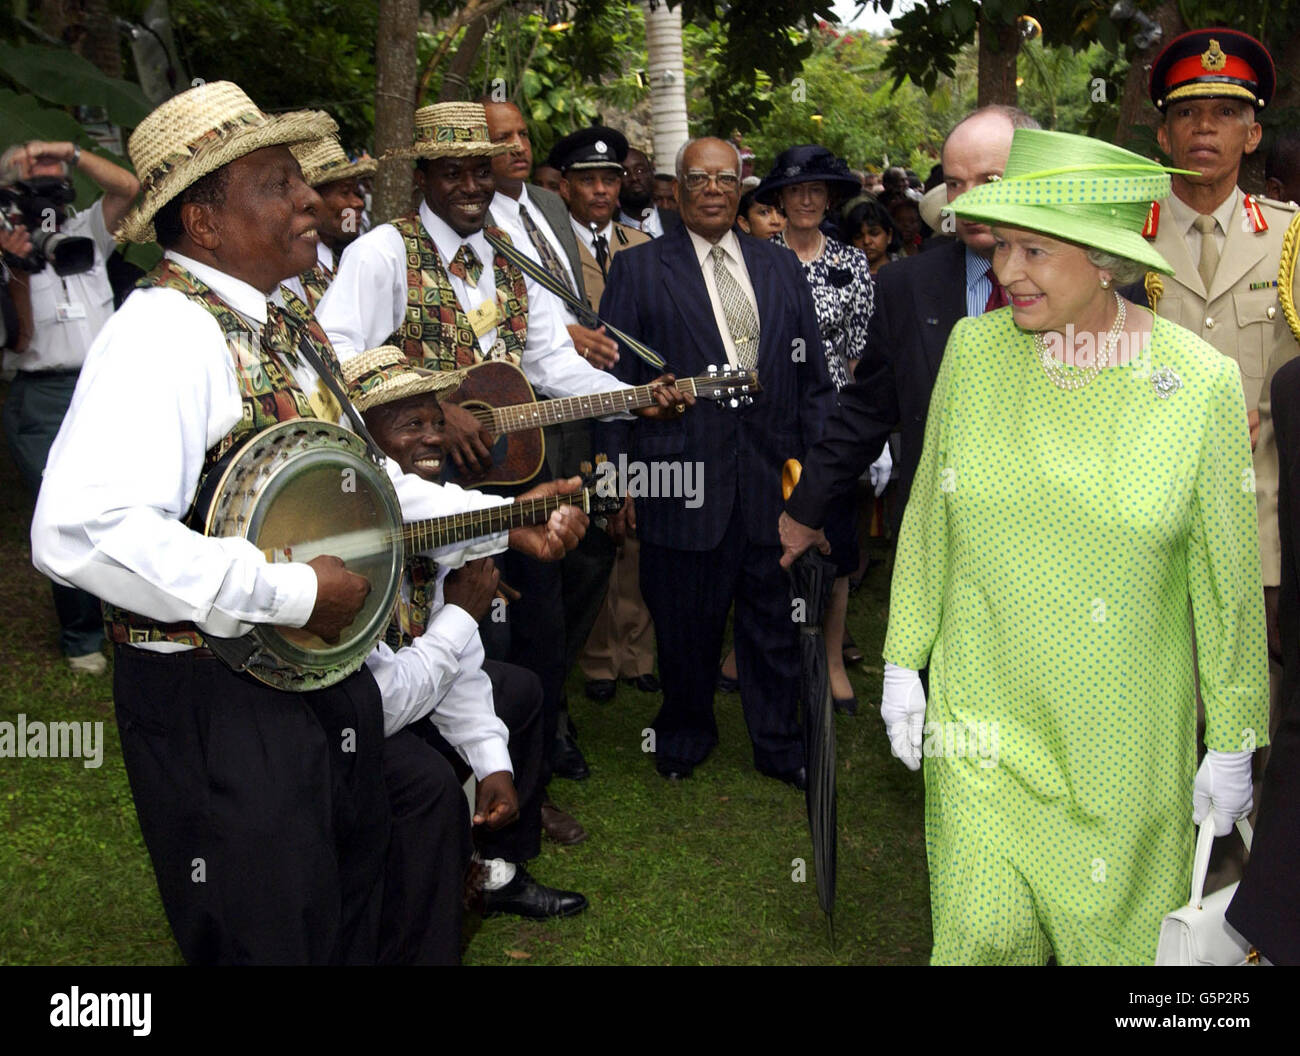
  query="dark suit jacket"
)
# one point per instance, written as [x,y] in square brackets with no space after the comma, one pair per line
[556,213]
[656,292]
[918,301]
[1264,908]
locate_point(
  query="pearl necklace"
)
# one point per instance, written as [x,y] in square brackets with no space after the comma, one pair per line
[1063,377]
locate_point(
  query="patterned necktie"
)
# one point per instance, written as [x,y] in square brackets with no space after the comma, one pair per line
[601,247]
[1209,262]
[280,336]
[997,295]
[549,260]
[466,265]
[740,316]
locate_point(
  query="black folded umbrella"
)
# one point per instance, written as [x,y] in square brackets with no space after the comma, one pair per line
[812,577]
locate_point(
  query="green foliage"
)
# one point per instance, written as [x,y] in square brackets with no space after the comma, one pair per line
[64,77]
[316,54]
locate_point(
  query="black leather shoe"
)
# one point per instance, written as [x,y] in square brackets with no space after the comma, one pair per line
[674,769]
[798,777]
[645,683]
[525,897]
[566,758]
[601,689]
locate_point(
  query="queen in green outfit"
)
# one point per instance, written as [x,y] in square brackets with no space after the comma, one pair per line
[1086,473]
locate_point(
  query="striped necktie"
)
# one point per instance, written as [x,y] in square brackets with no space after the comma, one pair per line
[549,260]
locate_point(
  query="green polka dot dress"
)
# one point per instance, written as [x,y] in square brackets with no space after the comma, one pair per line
[1048,553]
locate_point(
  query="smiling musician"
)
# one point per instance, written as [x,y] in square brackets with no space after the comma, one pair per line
[264,811]
[463,304]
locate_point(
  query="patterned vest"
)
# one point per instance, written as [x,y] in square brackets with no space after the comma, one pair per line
[411,618]
[436,333]
[269,394]
[315,281]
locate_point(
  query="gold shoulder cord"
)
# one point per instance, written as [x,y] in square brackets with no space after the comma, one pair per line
[1286,275]
[1155,288]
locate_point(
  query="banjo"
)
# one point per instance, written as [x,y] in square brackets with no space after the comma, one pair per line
[306,488]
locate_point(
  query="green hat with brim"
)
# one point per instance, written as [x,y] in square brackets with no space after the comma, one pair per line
[1075,189]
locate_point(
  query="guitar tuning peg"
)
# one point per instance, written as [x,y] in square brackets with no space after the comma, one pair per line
[733,402]
[713,369]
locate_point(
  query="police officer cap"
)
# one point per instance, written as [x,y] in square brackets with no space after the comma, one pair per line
[1213,64]
[596,147]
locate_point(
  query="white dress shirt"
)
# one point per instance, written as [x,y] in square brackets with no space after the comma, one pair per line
[505,215]
[366,303]
[157,391]
[325,258]
[68,311]
[440,675]
[734,263]
[652,225]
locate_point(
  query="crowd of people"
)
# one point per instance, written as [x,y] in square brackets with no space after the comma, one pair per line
[1069,364]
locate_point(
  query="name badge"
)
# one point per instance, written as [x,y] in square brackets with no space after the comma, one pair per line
[67,312]
[483,318]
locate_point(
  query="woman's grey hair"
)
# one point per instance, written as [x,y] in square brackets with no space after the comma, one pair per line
[681,155]
[1122,269]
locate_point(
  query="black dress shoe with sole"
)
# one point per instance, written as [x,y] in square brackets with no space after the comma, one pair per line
[567,760]
[674,769]
[798,778]
[525,897]
[601,689]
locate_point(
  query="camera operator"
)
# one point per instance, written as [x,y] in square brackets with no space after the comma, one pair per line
[63,313]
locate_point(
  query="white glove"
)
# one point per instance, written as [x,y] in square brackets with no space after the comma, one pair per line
[903,709]
[881,470]
[1223,788]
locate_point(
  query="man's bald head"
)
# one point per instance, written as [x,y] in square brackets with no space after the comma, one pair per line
[975,151]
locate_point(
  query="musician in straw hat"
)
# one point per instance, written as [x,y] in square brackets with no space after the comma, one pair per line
[485,717]
[264,811]
[328,171]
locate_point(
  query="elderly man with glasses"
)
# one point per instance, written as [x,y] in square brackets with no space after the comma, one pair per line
[704,295]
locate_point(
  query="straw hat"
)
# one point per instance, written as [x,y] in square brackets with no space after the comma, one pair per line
[324,161]
[1076,189]
[197,132]
[450,130]
[384,375]
[932,206]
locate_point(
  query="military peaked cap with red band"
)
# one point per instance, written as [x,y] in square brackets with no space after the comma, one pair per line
[1213,64]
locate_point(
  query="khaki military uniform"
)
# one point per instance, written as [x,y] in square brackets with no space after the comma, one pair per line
[1241,316]
[621,237]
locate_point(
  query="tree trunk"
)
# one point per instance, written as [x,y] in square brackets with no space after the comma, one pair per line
[101,45]
[1135,107]
[455,81]
[998,47]
[395,70]
[665,69]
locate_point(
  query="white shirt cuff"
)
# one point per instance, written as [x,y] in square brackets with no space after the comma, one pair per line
[487,757]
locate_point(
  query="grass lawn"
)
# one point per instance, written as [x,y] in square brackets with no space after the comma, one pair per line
[693,873]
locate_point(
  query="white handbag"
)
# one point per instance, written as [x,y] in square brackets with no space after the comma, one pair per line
[1197,934]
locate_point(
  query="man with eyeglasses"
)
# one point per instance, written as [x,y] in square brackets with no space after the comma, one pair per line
[704,295]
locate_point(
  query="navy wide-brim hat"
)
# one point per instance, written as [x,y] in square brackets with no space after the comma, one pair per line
[806,164]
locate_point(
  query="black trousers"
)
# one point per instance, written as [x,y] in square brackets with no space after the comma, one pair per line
[265,813]
[688,594]
[428,854]
[517,698]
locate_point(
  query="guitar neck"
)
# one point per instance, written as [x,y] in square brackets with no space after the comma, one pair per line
[459,527]
[521,416]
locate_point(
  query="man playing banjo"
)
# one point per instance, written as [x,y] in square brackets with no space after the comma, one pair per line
[264,811]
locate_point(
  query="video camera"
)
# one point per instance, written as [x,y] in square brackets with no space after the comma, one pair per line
[35,203]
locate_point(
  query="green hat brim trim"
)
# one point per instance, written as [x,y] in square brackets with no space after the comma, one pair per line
[1051,221]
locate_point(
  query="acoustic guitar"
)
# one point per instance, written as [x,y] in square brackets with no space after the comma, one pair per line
[500,397]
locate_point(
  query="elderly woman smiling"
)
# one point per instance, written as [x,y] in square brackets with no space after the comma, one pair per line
[1071,498]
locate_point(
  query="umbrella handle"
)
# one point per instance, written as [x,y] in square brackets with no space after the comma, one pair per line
[790,474]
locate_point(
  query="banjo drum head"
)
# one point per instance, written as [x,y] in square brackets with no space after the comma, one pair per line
[304,493]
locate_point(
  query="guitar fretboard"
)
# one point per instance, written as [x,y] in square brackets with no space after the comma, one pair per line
[459,527]
[520,416]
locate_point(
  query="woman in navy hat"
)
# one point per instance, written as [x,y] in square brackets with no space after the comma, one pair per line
[807,182]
